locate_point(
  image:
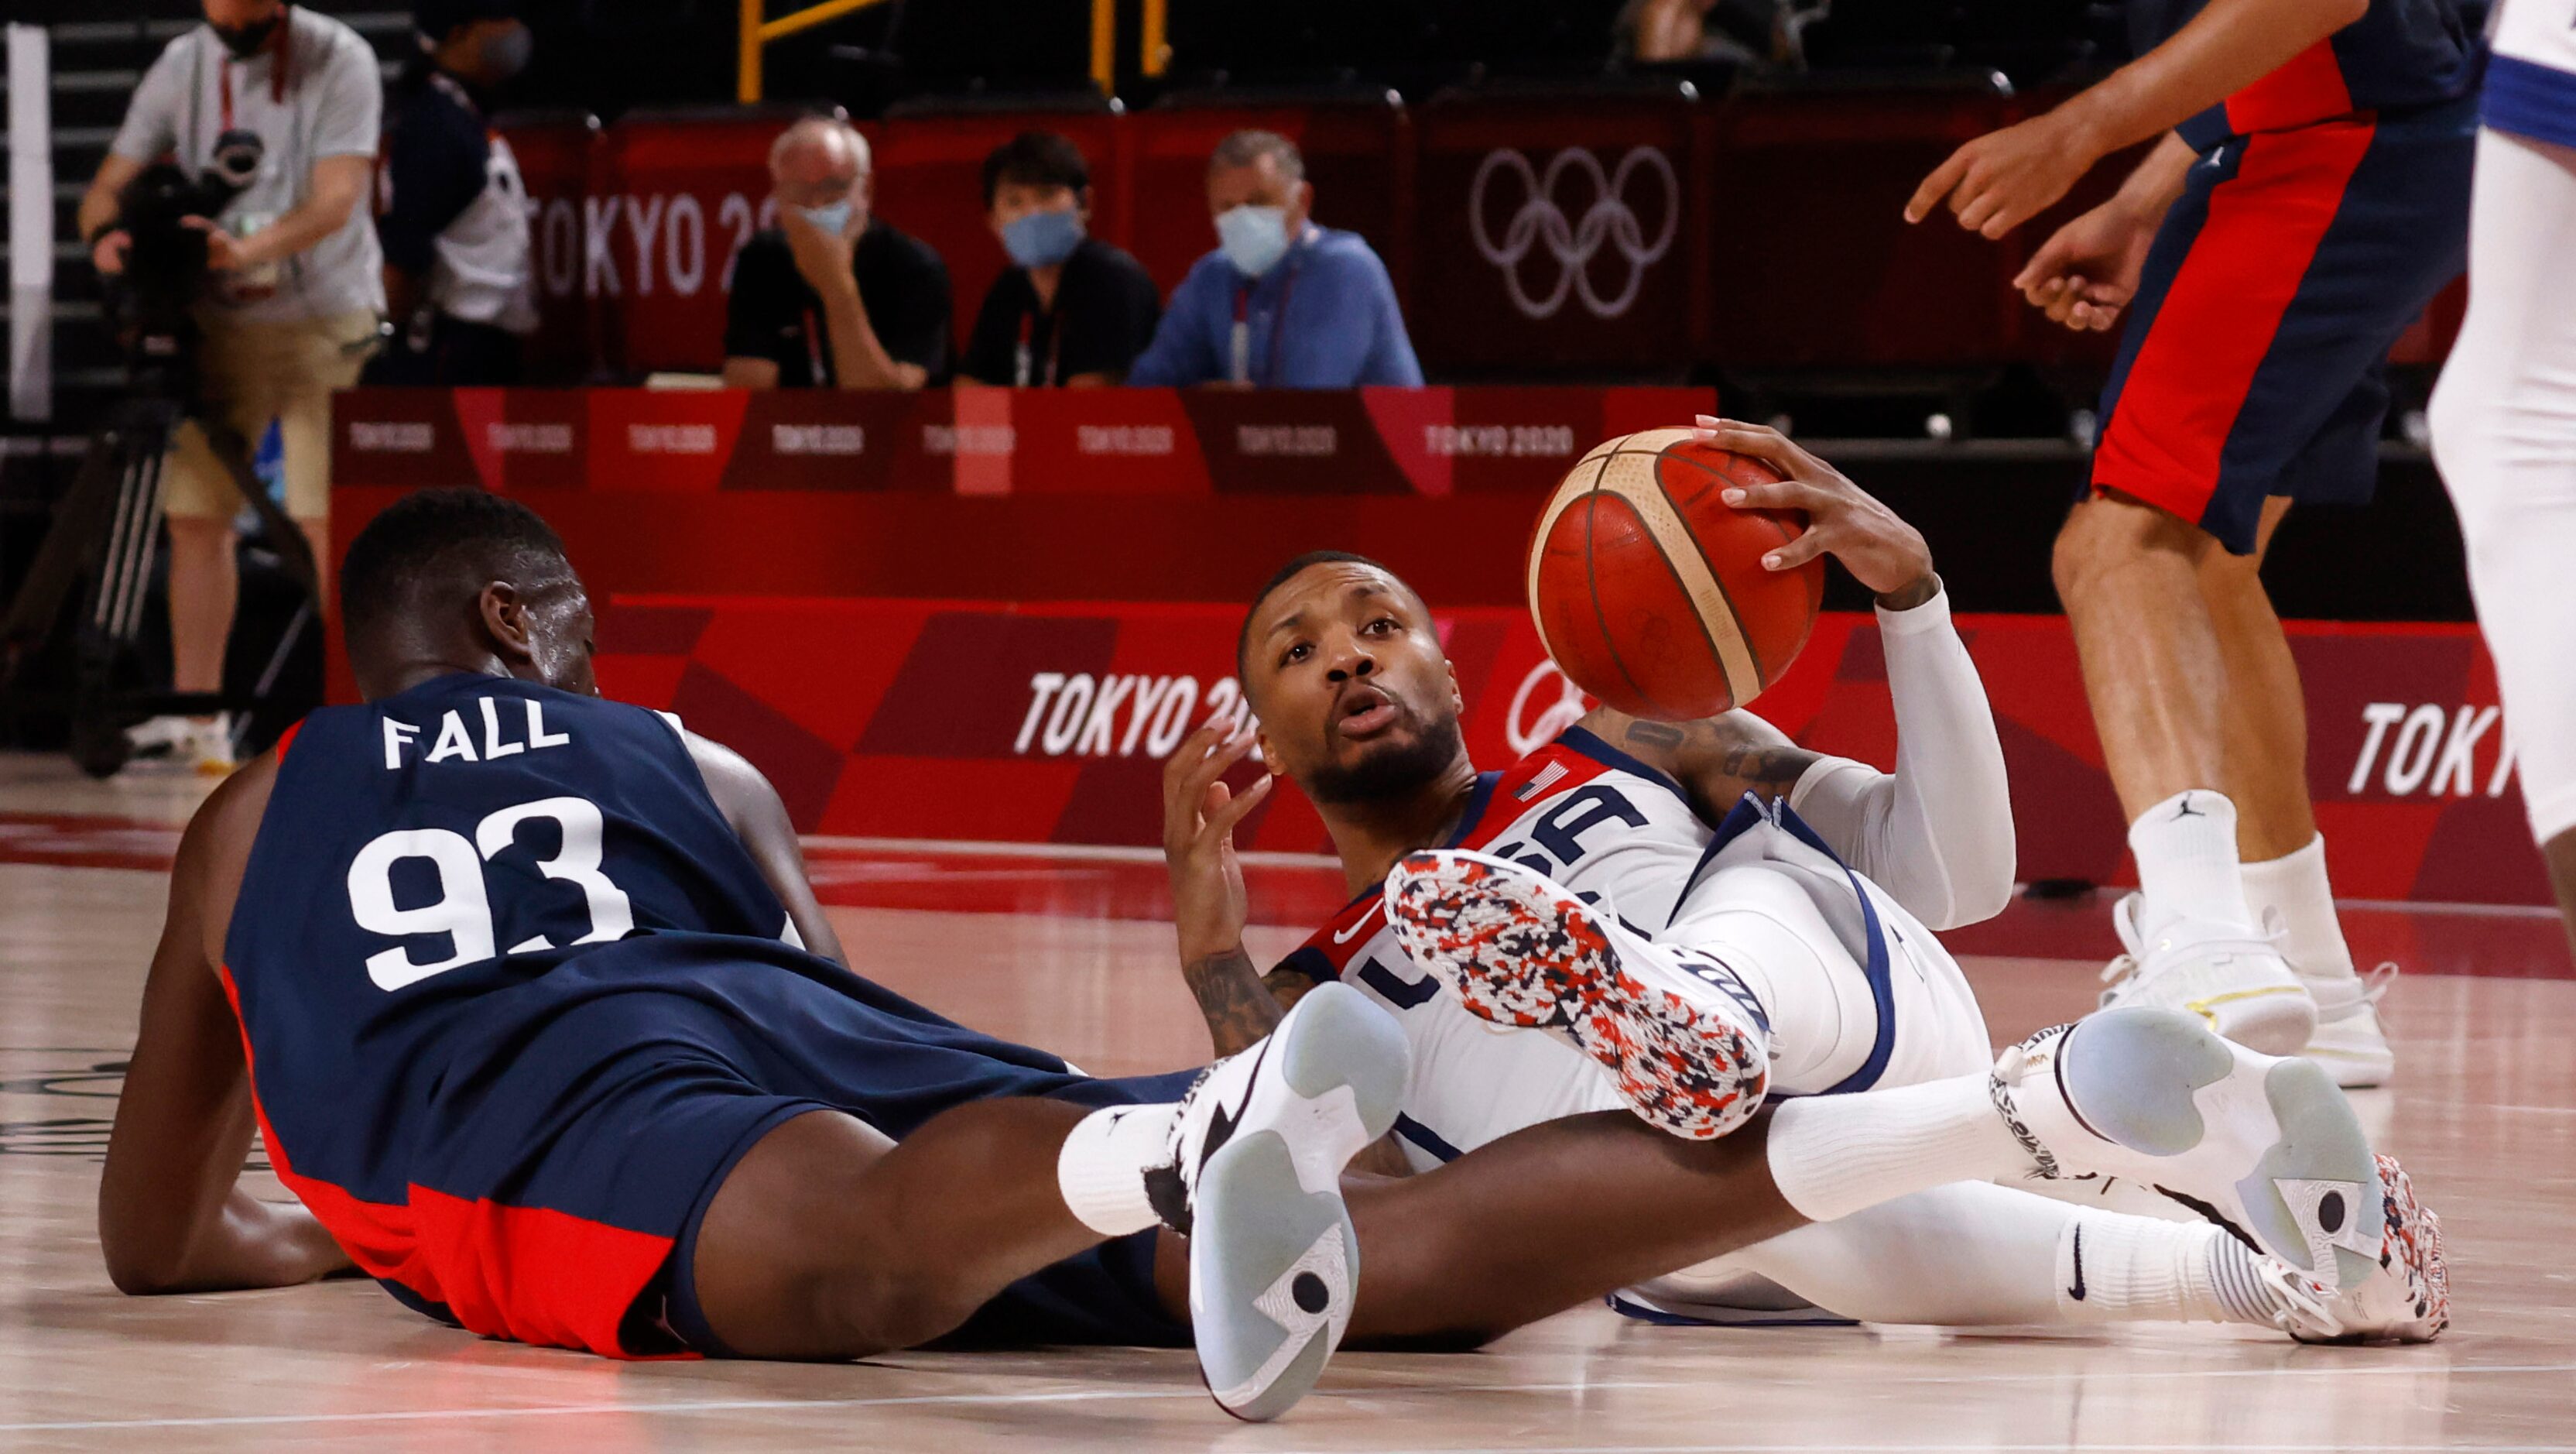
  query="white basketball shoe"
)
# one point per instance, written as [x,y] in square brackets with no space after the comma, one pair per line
[2349,1041]
[2235,981]
[2264,1146]
[1684,1039]
[1255,1184]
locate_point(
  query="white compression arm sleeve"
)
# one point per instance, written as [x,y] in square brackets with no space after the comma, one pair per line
[1937,834]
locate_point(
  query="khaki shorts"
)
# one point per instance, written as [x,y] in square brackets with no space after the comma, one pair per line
[253,372]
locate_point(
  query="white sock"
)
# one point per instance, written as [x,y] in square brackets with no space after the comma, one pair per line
[2142,1270]
[2186,852]
[1101,1170]
[1831,1156]
[2294,885]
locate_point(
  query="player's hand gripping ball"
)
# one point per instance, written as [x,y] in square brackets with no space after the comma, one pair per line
[1649,589]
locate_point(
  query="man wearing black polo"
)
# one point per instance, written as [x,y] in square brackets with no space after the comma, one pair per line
[833,296]
[1072,311]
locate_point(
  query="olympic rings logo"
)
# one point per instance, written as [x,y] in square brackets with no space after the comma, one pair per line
[1575,242]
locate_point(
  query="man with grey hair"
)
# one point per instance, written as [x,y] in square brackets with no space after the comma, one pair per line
[833,296]
[1282,303]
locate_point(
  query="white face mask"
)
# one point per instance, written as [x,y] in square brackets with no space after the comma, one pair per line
[1254,239]
[831,219]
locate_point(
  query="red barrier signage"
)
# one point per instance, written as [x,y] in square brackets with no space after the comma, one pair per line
[915,719]
[988,442]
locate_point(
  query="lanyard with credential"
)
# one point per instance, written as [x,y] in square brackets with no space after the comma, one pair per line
[276,47]
[1242,337]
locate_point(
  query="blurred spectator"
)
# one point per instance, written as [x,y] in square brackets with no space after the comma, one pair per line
[833,296]
[1739,31]
[1281,303]
[1072,310]
[285,104]
[452,215]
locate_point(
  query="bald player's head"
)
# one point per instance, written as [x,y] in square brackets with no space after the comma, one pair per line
[465,580]
[818,161]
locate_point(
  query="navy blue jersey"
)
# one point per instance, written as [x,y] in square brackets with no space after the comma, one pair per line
[2400,55]
[427,859]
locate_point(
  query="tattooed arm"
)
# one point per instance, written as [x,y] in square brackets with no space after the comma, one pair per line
[1716,759]
[1937,833]
[1239,1004]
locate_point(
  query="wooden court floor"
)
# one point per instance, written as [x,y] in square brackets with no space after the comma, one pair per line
[2484,1113]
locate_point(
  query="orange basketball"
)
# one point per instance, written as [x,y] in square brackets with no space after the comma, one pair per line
[1649,589]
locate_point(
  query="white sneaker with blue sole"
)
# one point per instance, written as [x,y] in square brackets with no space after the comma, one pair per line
[2265,1146]
[1255,1184]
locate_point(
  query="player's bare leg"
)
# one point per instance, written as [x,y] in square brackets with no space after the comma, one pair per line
[2157,676]
[2263,717]
[828,1241]
[2265,772]
[1542,1220]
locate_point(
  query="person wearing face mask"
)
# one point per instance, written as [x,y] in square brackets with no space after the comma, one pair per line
[1282,303]
[288,104]
[833,296]
[452,215]
[1071,310]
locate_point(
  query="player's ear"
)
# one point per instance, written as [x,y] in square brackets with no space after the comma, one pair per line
[1457,694]
[505,619]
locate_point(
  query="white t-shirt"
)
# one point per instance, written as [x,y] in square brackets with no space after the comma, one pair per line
[332,105]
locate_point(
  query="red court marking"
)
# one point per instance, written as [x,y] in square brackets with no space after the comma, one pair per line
[72,840]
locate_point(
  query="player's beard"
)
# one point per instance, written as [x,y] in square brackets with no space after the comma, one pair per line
[1395,769]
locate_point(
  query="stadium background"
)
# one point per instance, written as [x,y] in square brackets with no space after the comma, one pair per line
[870,595]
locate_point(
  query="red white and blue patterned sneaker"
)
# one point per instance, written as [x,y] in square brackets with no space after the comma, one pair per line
[2406,1299]
[1684,1040]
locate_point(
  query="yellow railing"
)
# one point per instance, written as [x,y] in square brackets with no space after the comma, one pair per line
[757,31]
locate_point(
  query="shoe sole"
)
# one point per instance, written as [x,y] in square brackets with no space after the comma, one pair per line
[2159,1083]
[1518,951]
[1274,1259]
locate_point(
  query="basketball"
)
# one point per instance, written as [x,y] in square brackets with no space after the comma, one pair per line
[1648,588]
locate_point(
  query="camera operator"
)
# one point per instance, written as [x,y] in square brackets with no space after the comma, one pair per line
[284,105]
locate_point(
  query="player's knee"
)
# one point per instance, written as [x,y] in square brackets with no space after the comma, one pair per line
[2108,531]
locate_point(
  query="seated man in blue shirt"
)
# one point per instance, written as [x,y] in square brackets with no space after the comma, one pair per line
[1281,303]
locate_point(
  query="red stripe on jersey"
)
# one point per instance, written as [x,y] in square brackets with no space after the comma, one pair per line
[2307,87]
[286,738]
[526,1273]
[534,1274]
[2168,432]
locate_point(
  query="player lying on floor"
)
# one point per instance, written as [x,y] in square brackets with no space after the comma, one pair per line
[497,969]
[1791,898]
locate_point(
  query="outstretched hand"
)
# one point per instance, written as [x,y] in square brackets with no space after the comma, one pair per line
[2005,178]
[1873,542]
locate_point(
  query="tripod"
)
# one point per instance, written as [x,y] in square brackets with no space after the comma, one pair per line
[103,540]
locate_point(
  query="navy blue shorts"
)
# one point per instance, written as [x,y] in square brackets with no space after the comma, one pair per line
[617,1092]
[2253,360]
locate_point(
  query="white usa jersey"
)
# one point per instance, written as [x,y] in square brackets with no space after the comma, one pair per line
[1852,989]
[2530,87]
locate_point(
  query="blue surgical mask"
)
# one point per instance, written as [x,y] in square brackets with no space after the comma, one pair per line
[1254,239]
[1042,239]
[831,219]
